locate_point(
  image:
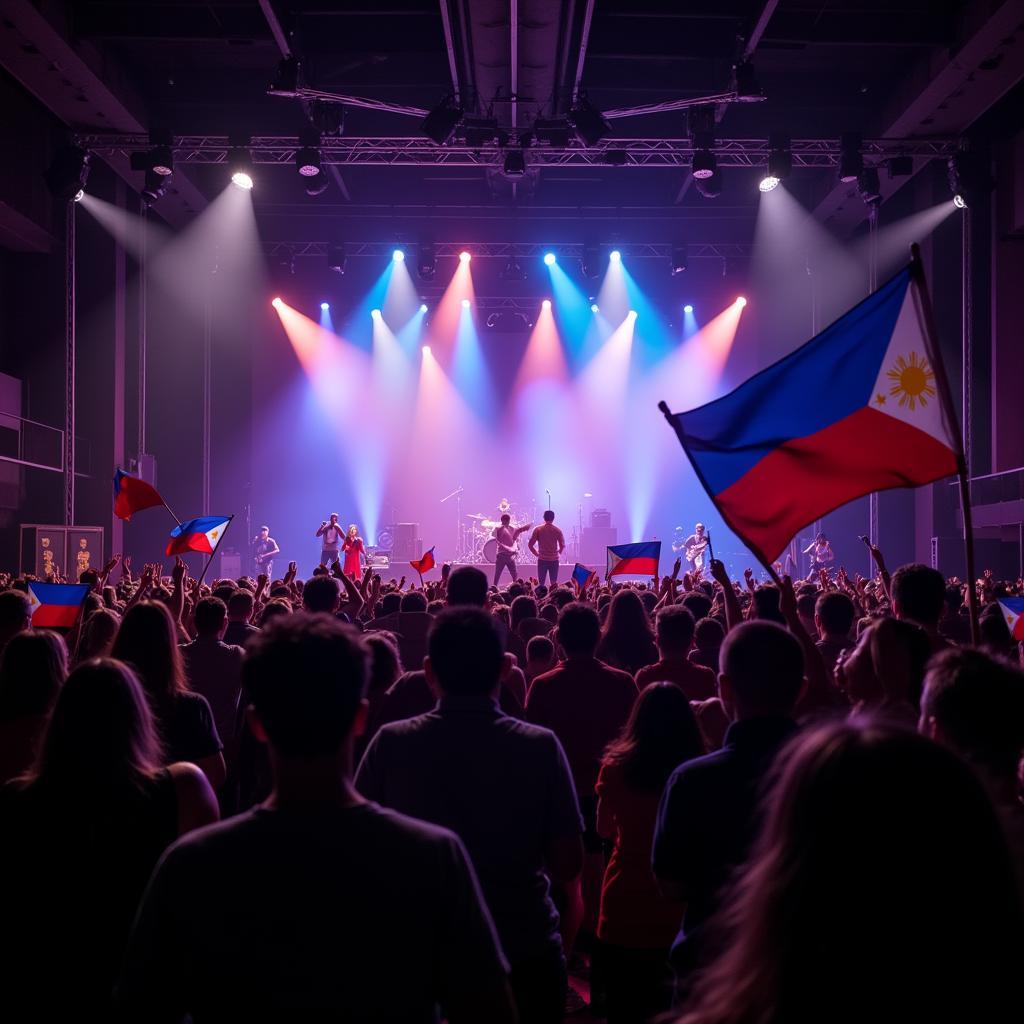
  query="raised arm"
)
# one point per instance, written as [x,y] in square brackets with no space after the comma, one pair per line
[733,611]
[322,530]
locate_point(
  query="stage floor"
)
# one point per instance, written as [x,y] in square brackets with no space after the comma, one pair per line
[396,570]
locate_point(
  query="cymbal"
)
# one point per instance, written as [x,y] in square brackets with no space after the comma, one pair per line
[476,516]
[491,523]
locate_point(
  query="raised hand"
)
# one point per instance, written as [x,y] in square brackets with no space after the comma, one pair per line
[718,573]
[748,575]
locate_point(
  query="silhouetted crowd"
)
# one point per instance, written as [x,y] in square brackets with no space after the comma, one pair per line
[726,802]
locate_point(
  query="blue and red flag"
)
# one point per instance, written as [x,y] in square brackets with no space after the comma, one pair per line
[634,559]
[56,605]
[202,534]
[424,564]
[131,495]
[1013,612]
[582,575]
[858,408]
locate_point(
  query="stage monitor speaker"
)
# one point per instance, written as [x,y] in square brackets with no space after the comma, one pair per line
[596,540]
[406,542]
[601,517]
[230,565]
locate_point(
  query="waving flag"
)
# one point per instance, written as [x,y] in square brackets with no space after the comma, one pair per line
[582,575]
[202,534]
[1013,611]
[424,564]
[132,495]
[634,559]
[56,605]
[856,409]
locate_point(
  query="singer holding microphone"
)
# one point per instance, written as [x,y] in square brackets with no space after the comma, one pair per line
[264,547]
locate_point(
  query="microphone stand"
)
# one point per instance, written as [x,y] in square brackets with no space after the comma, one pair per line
[457,494]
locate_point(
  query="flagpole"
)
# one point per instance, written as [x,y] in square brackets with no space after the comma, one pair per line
[172,515]
[209,562]
[917,272]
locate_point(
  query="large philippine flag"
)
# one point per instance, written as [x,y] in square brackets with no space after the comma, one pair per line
[131,494]
[854,410]
[1013,612]
[634,559]
[56,605]
[202,534]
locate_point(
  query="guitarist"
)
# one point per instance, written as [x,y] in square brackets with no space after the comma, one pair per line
[694,547]
[506,536]
[264,549]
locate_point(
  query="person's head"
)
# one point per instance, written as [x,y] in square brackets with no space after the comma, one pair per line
[674,631]
[540,651]
[834,614]
[385,661]
[467,585]
[698,604]
[98,632]
[353,531]
[974,703]
[101,733]
[887,664]
[148,641]
[333,520]
[881,878]
[821,539]
[414,601]
[994,633]
[223,591]
[264,532]
[465,654]
[321,594]
[762,671]
[954,599]
[32,670]
[766,604]
[280,606]
[549,613]
[523,607]
[627,618]
[699,529]
[578,631]
[390,603]
[549,516]
[708,634]
[918,594]
[15,614]
[241,605]
[211,618]
[305,676]
[505,519]
[660,734]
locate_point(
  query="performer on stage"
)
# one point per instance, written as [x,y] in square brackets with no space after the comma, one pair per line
[547,544]
[694,547]
[506,535]
[821,554]
[331,533]
[353,548]
[264,548]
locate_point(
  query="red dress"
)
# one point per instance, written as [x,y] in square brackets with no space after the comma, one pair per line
[353,549]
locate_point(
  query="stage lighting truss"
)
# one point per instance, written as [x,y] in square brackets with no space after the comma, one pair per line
[407,151]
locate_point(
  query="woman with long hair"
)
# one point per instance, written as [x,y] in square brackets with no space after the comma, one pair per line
[627,639]
[353,548]
[147,640]
[98,632]
[33,667]
[637,923]
[881,888]
[83,830]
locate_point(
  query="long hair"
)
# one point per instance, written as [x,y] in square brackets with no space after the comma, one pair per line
[627,631]
[98,632]
[147,641]
[101,734]
[881,879]
[660,734]
[33,667]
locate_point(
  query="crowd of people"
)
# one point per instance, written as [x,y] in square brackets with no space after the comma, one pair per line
[725,802]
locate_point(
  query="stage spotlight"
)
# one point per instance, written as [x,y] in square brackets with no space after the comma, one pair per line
[276,302]
[704,164]
[868,186]
[780,162]
[68,173]
[678,260]
[398,256]
[851,160]
[465,303]
[632,314]
[594,308]
[464,257]
[154,187]
[423,307]
[440,124]
[240,165]
[588,122]
[688,308]
[307,162]
[375,313]
[969,178]
[426,261]
[425,350]
[741,301]
[325,306]
[549,259]
[615,256]
[515,164]
[336,258]
[546,304]
[710,188]
[959,202]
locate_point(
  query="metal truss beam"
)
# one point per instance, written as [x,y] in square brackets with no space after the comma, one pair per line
[408,151]
[516,250]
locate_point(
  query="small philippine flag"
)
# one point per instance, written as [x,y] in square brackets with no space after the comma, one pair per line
[202,534]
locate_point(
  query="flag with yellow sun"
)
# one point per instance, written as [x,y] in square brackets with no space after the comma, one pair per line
[858,408]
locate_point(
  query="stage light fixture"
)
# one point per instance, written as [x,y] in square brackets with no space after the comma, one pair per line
[747,88]
[594,308]
[851,160]
[276,302]
[154,187]
[426,350]
[423,307]
[307,162]
[555,133]
[704,164]
[240,166]
[375,313]
[479,131]
[615,256]
[336,258]
[632,314]
[710,188]
[959,202]
[546,304]
[426,261]
[161,160]
[678,261]
[588,122]
[780,162]
[440,124]
[688,308]
[868,186]
[68,173]
[515,164]
[464,257]
[325,306]
[465,303]
[398,256]
[286,78]
[549,259]
[969,178]
[741,301]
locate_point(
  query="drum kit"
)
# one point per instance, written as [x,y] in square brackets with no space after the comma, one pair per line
[480,543]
